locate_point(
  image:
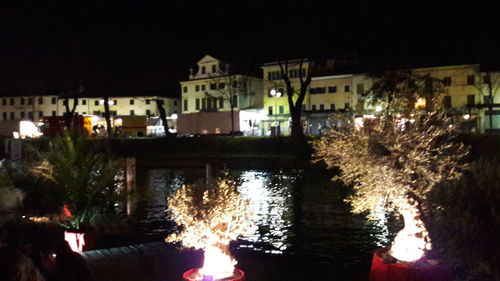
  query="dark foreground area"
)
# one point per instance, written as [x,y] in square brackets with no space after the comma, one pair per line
[162,262]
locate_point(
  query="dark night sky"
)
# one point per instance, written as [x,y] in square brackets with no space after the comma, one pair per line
[150,45]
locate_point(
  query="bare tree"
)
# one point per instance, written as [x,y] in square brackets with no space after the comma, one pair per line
[398,91]
[229,90]
[296,97]
[488,86]
[163,114]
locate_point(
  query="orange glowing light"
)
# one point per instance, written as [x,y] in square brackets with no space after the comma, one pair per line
[420,103]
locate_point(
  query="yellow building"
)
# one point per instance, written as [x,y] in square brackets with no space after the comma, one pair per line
[461,90]
[212,92]
[31,107]
[276,104]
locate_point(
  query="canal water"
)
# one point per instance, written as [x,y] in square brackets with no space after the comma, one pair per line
[299,213]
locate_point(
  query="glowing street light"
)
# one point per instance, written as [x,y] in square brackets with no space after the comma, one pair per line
[276,94]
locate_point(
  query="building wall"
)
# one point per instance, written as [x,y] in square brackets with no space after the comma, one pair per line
[24,107]
[207,123]
[339,93]
[195,91]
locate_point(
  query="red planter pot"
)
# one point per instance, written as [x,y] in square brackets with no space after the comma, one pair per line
[381,271]
[191,275]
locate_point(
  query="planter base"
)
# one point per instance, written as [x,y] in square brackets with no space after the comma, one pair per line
[381,271]
[193,275]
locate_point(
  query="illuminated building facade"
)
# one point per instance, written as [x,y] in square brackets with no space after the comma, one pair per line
[211,92]
[34,107]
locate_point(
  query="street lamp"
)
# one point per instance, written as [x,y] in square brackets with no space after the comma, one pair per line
[276,94]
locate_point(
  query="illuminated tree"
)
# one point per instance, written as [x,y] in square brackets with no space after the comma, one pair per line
[394,164]
[211,217]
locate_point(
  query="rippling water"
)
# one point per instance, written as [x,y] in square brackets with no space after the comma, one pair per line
[298,212]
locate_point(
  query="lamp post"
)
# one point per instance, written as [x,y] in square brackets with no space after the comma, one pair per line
[276,94]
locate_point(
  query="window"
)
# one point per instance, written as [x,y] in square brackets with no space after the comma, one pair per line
[447,81]
[214,68]
[53,100]
[332,107]
[270,110]
[488,99]
[40,114]
[148,101]
[84,102]
[203,70]
[40,100]
[470,100]
[53,113]
[85,112]
[222,85]
[4,115]
[4,101]
[321,107]
[317,90]
[185,105]
[346,105]
[22,115]
[112,112]
[148,112]
[313,107]
[21,101]
[132,112]
[11,101]
[131,102]
[197,104]
[332,89]
[221,102]
[12,115]
[30,101]
[447,102]
[175,102]
[115,102]
[185,89]
[203,103]
[360,88]
[213,86]
[269,75]
[97,112]
[96,102]
[235,101]
[471,79]
[303,107]
[197,88]
[203,87]
[347,88]
[281,109]
[235,84]
[65,102]
[30,115]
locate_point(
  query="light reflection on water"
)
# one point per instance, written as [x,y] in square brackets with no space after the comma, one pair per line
[297,212]
[271,204]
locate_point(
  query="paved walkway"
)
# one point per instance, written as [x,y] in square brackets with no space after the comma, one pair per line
[161,262]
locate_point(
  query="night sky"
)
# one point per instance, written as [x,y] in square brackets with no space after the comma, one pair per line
[149,46]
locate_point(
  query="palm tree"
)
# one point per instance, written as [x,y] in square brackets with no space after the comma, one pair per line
[83,173]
